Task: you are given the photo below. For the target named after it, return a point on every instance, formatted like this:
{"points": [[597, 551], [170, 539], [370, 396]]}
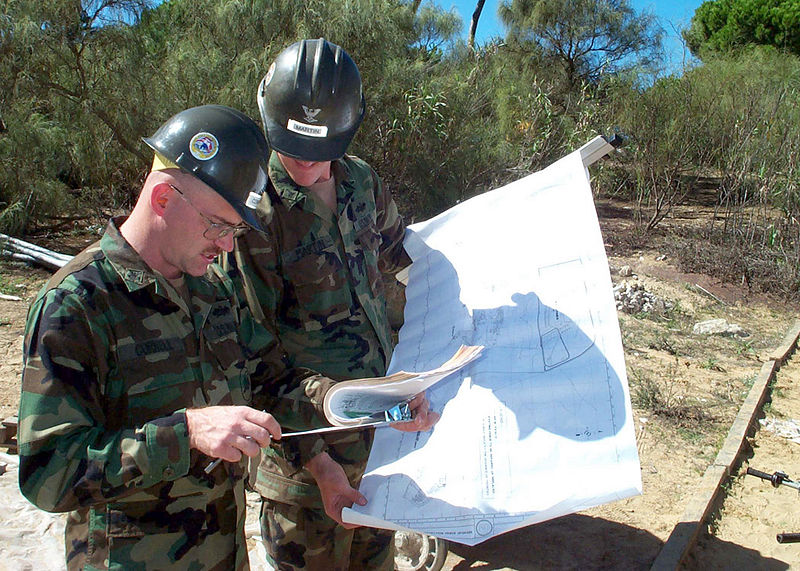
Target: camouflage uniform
{"points": [[113, 357], [317, 277]]}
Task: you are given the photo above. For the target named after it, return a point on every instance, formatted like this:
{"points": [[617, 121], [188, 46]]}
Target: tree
{"points": [[68, 91], [473, 26], [720, 26], [60, 50], [433, 28], [588, 37]]}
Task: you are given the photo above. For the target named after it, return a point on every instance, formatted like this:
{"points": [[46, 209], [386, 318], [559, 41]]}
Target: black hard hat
{"points": [[222, 147], [311, 101]]}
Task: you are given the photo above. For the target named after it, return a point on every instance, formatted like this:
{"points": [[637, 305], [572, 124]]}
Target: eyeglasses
{"points": [[215, 230]]}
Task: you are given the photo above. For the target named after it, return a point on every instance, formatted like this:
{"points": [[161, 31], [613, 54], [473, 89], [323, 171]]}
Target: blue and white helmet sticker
{"points": [[204, 146]]}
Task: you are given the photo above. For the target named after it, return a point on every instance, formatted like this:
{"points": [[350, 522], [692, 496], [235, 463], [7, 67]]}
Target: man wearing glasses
{"points": [[140, 364]]}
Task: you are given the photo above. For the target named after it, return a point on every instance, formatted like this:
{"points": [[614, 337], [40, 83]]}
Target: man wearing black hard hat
{"points": [[140, 363], [315, 273]]}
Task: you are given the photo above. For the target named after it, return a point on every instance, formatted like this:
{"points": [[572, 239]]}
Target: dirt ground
{"points": [[686, 391], [745, 529]]}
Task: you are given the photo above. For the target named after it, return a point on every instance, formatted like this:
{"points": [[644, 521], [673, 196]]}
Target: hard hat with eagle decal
{"points": [[311, 101]]}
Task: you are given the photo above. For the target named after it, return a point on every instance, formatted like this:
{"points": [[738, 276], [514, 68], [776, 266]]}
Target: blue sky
{"points": [[673, 15]]}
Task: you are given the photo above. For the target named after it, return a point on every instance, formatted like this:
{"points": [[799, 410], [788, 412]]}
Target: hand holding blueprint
{"points": [[541, 425], [350, 403]]}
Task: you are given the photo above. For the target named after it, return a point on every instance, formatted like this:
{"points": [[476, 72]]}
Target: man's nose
{"points": [[225, 242]]}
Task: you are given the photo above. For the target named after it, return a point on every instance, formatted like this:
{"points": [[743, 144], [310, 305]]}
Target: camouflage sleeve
{"points": [[294, 396], [69, 455], [393, 256]]}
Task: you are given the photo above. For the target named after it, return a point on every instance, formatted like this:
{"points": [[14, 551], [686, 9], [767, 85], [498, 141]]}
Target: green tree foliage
{"points": [[588, 38], [720, 26], [84, 80], [64, 76], [755, 135], [668, 126]]}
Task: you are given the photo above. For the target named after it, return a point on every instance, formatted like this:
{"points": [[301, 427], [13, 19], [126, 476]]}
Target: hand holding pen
{"points": [[229, 432], [410, 415]]}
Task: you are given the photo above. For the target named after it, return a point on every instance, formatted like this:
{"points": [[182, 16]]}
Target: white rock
{"points": [[719, 327]]}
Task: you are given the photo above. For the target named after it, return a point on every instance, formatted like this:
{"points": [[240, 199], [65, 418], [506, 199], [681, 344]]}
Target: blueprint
{"points": [[358, 401], [540, 425]]}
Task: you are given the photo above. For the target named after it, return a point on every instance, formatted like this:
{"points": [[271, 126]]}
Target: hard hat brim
{"points": [[307, 148]]}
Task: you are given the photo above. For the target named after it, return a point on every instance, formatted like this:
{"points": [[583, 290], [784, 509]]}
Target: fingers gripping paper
{"points": [[540, 425], [360, 401]]}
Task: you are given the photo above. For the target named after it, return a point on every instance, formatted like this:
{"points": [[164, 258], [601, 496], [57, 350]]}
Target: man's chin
{"points": [[199, 269], [199, 265]]}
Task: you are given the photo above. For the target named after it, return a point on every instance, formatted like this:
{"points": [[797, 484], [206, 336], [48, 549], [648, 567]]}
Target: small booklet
{"points": [[373, 400]]}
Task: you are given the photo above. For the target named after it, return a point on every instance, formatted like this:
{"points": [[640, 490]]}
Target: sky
{"points": [[673, 16]]}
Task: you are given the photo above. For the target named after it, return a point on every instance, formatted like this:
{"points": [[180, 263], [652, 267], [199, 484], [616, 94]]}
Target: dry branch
{"points": [[31, 253]]}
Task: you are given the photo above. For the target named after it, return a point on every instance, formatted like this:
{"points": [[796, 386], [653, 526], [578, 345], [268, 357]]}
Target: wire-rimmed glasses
{"points": [[215, 230]]}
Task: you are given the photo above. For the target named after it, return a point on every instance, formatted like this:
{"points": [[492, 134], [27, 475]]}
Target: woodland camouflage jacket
{"points": [[113, 357], [317, 279]]}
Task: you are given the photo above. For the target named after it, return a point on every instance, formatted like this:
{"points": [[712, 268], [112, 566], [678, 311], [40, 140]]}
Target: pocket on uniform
{"points": [[155, 540], [160, 394], [320, 290], [153, 376]]}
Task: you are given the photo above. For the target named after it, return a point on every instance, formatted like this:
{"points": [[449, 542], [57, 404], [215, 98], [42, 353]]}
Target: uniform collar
{"points": [[290, 192], [128, 264]]}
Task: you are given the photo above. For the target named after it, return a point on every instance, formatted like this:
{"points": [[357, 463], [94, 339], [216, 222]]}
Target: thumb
{"points": [[353, 496], [359, 498]]}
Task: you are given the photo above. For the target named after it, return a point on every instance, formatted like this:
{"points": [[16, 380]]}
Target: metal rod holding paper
{"points": [[398, 413]]}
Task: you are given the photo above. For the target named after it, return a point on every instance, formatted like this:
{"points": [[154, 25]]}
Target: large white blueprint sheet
{"points": [[540, 425]]}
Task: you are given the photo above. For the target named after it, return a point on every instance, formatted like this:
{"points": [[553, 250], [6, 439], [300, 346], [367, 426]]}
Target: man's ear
{"points": [[160, 197]]}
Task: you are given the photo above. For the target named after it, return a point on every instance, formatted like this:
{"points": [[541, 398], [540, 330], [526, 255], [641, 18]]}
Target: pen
{"points": [[398, 413], [214, 463]]}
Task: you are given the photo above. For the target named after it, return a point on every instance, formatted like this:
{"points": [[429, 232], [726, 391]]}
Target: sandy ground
{"points": [[743, 533], [702, 382]]}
